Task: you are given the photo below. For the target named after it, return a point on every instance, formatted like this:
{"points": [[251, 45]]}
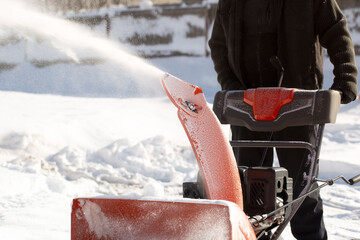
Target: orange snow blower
{"points": [[220, 217], [226, 202]]}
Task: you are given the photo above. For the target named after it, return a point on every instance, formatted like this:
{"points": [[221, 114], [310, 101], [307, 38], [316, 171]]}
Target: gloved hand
{"points": [[347, 96]]}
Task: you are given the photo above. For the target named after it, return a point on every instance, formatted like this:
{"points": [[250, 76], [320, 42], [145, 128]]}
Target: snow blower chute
{"points": [[219, 205]]}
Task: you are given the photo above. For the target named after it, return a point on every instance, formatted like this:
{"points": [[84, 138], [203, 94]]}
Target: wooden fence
{"points": [[192, 27]]}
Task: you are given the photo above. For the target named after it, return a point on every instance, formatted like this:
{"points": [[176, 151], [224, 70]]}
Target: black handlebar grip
{"points": [[354, 180]]}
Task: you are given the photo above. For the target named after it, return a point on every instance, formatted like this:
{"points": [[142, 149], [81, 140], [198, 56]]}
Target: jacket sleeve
{"points": [[335, 37], [219, 55]]}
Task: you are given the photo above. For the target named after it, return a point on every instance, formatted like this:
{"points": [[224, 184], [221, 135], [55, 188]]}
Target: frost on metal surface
{"points": [[106, 218], [213, 152]]}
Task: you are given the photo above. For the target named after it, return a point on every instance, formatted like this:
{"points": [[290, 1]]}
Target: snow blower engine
{"points": [[265, 189]]}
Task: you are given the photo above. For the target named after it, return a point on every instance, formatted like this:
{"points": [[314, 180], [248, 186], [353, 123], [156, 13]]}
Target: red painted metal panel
{"points": [[266, 102], [101, 218]]}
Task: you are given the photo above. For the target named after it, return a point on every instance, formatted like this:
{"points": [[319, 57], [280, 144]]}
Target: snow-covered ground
{"points": [[109, 129]]}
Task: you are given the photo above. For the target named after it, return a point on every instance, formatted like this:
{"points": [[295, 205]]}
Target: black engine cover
{"points": [[262, 186]]}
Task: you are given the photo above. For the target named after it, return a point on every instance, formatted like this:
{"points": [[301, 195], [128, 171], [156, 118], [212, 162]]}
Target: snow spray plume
{"points": [[73, 41]]}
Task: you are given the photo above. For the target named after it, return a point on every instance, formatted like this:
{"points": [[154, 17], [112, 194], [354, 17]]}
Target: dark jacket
{"points": [[304, 28]]}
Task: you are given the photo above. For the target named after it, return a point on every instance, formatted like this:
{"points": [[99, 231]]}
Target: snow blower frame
{"points": [[227, 213], [268, 191]]}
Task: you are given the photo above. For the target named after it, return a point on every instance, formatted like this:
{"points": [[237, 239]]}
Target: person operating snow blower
{"points": [[252, 42]]}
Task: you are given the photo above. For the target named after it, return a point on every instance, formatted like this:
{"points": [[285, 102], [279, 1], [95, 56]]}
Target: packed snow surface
{"points": [[90, 137]]}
